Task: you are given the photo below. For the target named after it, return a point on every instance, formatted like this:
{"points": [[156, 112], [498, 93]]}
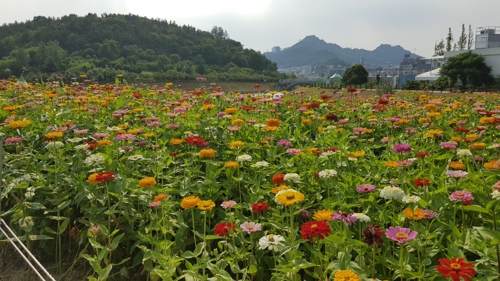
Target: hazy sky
{"points": [[262, 24]]}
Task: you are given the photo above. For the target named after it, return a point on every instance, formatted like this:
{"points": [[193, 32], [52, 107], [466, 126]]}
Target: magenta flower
{"points": [[228, 204], [285, 143], [124, 137], [400, 234], [400, 148], [13, 140], [462, 196], [100, 135], [428, 214], [345, 217], [154, 204], [250, 227], [448, 145], [294, 151], [364, 188]]}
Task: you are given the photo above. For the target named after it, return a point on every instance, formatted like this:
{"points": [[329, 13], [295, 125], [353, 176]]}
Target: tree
{"points": [[470, 40], [355, 74], [469, 68], [462, 40], [439, 48], [449, 40]]}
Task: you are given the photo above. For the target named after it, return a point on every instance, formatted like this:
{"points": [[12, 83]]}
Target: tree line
{"points": [[139, 48], [464, 42]]}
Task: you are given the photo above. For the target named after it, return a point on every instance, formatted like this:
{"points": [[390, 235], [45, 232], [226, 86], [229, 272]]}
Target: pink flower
{"points": [[154, 204], [345, 217], [463, 196], [364, 188], [250, 227], [294, 151], [400, 234], [228, 204]]}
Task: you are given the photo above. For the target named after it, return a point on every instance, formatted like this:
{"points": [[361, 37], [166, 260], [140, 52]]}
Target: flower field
{"points": [[162, 183]]}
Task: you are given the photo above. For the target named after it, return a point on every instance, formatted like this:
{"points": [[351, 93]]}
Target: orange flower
{"points": [[391, 164], [477, 146], [190, 202], [207, 153], [231, 164], [273, 122], [147, 182], [238, 122], [416, 214], [279, 179], [175, 141], [492, 165], [161, 197], [280, 188], [236, 144], [104, 142], [231, 111], [455, 165]]}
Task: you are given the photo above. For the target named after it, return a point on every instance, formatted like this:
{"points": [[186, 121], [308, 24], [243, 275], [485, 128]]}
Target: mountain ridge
{"points": [[315, 51]]}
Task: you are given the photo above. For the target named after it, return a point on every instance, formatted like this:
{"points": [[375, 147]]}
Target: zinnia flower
{"points": [[373, 234], [259, 207], [313, 229], [413, 214], [294, 177], [392, 192], [250, 227], [364, 188], [421, 182], [222, 229], [271, 242], [207, 153], [231, 164], [400, 148], [204, 205], [228, 204], [346, 275], [289, 197], [327, 173], [279, 179], [345, 217], [400, 234], [456, 174], [456, 268], [190, 202], [323, 215], [147, 182], [463, 196]]}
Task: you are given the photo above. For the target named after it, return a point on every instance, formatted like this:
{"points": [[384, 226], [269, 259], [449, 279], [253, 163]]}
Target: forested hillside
{"points": [[141, 49]]}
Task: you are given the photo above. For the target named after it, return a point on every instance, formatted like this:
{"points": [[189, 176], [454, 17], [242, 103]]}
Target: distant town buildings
{"points": [[276, 49]]}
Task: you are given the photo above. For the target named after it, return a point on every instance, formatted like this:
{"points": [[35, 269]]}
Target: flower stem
{"points": [[401, 261], [192, 219]]}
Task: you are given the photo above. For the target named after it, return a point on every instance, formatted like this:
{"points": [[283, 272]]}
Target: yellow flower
{"points": [[471, 137], [161, 197], [134, 131], [53, 135], [235, 144], [280, 188], [207, 153], [323, 215], [457, 165], [92, 179], [148, 135], [357, 154], [231, 165], [175, 141], [208, 106], [416, 214], [403, 121], [433, 114], [346, 275], [18, 124], [270, 128], [306, 121], [104, 142], [492, 165], [147, 182], [391, 164], [456, 139], [289, 197], [238, 122], [477, 146], [190, 202], [487, 120], [231, 110], [430, 107], [204, 205]]}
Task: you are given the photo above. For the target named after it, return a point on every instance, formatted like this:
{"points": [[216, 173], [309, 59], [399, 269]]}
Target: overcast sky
{"points": [[262, 24]]}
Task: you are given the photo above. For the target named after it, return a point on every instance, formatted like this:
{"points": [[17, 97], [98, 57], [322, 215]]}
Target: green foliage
{"points": [[356, 75], [127, 44], [469, 68], [442, 83], [383, 89]]}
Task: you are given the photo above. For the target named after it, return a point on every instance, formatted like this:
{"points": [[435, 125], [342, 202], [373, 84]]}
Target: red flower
{"points": [[262, 143], [461, 130], [195, 140], [351, 90], [467, 202], [422, 154], [256, 86], [247, 107], [173, 154], [373, 233], [92, 144], [455, 268], [279, 179], [313, 229], [105, 177], [421, 182], [137, 96], [332, 117], [383, 101], [259, 207], [317, 153], [324, 97], [332, 149], [312, 105], [222, 229]]}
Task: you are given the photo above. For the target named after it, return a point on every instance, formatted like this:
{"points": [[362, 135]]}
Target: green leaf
{"points": [[488, 234], [476, 208]]}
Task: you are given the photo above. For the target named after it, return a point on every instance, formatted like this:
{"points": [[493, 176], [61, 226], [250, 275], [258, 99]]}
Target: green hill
{"points": [[141, 49]]}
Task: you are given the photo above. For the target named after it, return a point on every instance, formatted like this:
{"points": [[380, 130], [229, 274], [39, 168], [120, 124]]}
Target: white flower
{"points": [[362, 217], [464, 152], [75, 140], [136, 157], [294, 177], [261, 164], [496, 194], [342, 164], [227, 116], [54, 144], [392, 192], [94, 160], [82, 147], [331, 127], [410, 199], [271, 242], [243, 158], [352, 159], [327, 173], [493, 146], [114, 129]]}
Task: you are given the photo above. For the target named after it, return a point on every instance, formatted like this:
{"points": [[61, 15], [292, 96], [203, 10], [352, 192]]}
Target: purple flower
{"points": [[345, 217], [124, 137], [462, 196], [428, 214], [457, 174], [400, 234], [400, 148], [364, 188], [13, 140], [250, 227], [285, 143], [228, 204], [294, 151]]}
